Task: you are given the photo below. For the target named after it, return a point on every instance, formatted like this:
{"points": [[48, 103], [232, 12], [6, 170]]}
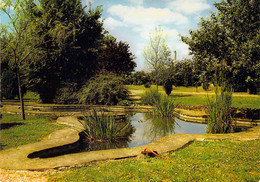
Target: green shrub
{"points": [[150, 97], [168, 86], [220, 112], [147, 85], [67, 94], [105, 89], [126, 103], [164, 107], [99, 127]]}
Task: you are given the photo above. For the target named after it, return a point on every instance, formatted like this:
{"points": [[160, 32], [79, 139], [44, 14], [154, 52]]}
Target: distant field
{"points": [[191, 96]]}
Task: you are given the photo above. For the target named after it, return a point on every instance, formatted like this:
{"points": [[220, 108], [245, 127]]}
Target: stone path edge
{"points": [[16, 158]]}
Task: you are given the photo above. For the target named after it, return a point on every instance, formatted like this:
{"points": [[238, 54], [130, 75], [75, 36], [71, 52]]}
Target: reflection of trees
{"points": [[158, 127]]}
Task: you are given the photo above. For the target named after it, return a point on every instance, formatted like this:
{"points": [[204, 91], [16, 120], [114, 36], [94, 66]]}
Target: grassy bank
{"points": [[189, 96], [15, 131], [201, 161]]}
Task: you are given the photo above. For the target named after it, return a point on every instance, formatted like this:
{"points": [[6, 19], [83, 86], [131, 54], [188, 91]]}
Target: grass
{"points": [[189, 96], [201, 161], [15, 131]]}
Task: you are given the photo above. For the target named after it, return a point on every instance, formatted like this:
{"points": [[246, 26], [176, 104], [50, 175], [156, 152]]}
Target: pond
{"points": [[143, 129], [147, 129]]}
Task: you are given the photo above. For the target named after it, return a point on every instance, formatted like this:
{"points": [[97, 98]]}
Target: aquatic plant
{"points": [[164, 107], [150, 97], [220, 112], [99, 127]]}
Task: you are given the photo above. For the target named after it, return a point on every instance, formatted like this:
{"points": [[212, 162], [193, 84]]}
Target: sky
{"points": [[131, 21]]}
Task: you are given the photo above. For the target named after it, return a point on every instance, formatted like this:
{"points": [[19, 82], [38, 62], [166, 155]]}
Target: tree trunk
{"points": [[20, 92]]}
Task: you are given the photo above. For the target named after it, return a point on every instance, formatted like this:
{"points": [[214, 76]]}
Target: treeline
{"points": [[54, 47]]}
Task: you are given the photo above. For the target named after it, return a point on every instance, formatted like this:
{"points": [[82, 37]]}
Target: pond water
{"points": [[147, 129], [143, 129]]}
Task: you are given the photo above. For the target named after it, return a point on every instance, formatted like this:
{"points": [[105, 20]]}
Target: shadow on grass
{"points": [[8, 125]]}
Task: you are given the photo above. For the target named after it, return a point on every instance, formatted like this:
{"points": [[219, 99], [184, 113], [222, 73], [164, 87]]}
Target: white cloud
{"points": [[111, 23], [189, 6], [141, 16]]}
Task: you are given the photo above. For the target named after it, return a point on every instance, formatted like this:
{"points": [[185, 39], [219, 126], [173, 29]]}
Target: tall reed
{"points": [[164, 107], [99, 127], [219, 111]]}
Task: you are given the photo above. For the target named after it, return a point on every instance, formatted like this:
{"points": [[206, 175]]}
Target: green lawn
{"points": [[189, 96], [201, 161], [15, 131]]}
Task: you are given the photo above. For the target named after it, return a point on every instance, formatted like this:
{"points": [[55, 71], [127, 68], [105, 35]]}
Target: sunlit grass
{"points": [[15, 131], [201, 161], [189, 96]]}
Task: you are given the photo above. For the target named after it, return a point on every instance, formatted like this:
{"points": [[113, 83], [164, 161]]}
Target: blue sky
{"points": [[131, 21]]}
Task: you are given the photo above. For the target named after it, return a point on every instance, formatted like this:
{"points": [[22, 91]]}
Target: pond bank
{"points": [[16, 158]]}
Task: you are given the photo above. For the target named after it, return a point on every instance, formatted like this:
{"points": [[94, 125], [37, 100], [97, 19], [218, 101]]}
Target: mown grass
{"points": [[201, 161], [189, 96], [15, 131]]}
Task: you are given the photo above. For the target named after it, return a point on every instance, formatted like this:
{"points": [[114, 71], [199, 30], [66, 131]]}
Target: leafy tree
{"points": [[74, 38], [137, 78], [17, 40], [116, 57], [228, 43], [157, 53]]}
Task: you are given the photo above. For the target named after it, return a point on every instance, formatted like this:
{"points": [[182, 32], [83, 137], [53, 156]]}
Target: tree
{"points": [[228, 43], [17, 39], [157, 53], [116, 57], [69, 58]]}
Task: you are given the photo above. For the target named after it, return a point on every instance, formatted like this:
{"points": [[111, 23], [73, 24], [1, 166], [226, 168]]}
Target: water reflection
{"points": [[144, 129]]}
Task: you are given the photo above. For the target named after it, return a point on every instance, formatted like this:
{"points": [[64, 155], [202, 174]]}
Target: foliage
{"points": [[168, 86], [157, 53], [150, 97], [126, 103], [67, 94], [99, 127], [9, 89], [137, 78], [229, 39], [199, 161], [105, 89], [73, 39], [147, 85], [116, 57], [220, 112], [164, 107]]}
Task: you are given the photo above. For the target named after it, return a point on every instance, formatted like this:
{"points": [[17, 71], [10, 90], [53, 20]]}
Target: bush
{"points": [[164, 107], [147, 85], [168, 86], [220, 112], [151, 97], [105, 89], [67, 94]]}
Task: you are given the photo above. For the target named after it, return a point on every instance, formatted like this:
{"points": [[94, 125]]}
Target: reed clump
{"points": [[99, 127], [220, 112]]}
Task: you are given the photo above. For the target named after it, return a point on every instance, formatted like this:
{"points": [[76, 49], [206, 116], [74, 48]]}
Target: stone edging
{"points": [[16, 158]]}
